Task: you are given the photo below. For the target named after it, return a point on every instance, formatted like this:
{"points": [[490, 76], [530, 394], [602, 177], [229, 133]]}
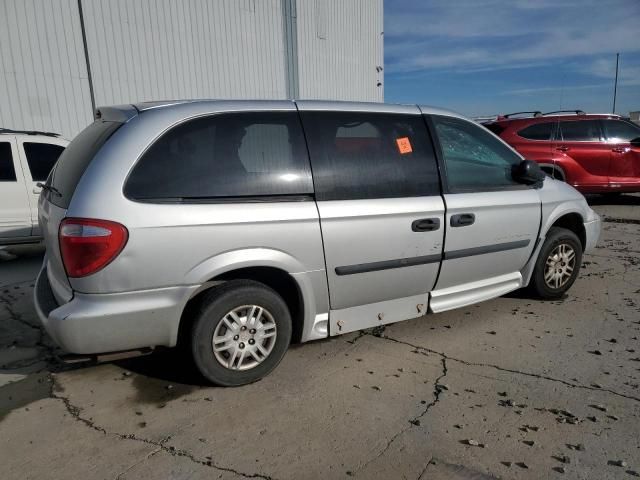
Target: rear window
{"points": [[41, 157], [76, 158], [236, 156], [538, 131], [7, 172]]}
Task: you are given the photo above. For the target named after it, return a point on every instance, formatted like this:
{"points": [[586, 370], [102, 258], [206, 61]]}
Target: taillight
{"points": [[88, 245]]}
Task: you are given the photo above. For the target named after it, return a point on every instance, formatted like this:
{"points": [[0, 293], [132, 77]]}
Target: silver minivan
{"points": [[238, 227]]}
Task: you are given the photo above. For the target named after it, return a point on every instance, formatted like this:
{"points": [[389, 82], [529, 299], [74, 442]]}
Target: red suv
{"points": [[596, 153]]}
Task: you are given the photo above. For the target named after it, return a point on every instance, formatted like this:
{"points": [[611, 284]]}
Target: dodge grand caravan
{"points": [[236, 227]]}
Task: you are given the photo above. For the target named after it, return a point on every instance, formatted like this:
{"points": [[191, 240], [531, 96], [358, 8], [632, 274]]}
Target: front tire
{"points": [[558, 264], [241, 331]]}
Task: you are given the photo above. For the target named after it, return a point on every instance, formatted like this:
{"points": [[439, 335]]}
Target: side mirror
{"points": [[635, 142], [528, 172]]}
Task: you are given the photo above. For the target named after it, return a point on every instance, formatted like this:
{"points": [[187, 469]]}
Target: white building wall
{"points": [[173, 49], [166, 49], [43, 75], [340, 44]]}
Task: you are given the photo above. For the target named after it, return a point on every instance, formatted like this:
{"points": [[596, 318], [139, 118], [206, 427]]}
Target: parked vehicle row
{"points": [[26, 158], [596, 153], [236, 227]]}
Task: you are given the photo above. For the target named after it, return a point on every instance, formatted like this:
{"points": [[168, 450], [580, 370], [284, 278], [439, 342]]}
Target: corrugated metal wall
{"points": [[340, 44], [169, 49], [43, 75]]}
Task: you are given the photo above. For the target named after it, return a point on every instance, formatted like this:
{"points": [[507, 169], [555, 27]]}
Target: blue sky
{"points": [[496, 56]]}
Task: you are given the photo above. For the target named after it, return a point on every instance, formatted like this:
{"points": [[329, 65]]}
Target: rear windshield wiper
{"points": [[49, 188]]}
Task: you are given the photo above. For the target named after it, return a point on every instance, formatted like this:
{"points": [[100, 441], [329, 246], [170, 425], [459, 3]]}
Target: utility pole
{"points": [[615, 85]]}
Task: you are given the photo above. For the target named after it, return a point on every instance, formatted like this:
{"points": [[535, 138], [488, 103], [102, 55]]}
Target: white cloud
{"points": [[558, 88], [491, 34], [605, 67]]}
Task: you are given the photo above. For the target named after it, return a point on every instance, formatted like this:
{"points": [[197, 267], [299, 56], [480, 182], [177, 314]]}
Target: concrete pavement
{"points": [[511, 388]]}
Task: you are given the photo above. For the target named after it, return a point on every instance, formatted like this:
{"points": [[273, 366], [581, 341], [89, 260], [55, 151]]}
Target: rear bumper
{"points": [[98, 323], [592, 232]]}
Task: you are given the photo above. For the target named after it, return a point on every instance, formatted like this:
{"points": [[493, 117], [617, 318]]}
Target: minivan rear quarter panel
{"points": [[190, 237]]}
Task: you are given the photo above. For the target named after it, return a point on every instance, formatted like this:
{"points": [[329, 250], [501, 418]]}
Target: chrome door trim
{"points": [[499, 247]]}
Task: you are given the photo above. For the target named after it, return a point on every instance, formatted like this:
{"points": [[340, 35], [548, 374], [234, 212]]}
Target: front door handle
{"points": [[462, 220], [562, 149], [619, 150], [425, 225]]}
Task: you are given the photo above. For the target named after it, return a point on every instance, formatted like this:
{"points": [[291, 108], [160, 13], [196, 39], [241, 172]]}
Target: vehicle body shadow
{"points": [[621, 199], [526, 294], [165, 364]]}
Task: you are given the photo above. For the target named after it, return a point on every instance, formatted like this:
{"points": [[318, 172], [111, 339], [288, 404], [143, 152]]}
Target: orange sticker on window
{"points": [[404, 145]]}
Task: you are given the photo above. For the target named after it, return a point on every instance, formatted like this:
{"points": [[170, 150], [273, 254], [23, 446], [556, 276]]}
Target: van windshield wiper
{"points": [[49, 188]]}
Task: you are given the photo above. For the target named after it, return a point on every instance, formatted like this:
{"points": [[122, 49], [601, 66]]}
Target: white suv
{"points": [[26, 158]]}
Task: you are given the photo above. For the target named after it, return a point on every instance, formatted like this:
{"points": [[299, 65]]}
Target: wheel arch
{"points": [[569, 217], [273, 268], [574, 222]]}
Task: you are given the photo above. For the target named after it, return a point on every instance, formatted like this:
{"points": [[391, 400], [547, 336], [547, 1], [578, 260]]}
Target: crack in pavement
{"points": [[15, 316], [75, 413], [414, 422], [424, 470], [134, 465], [509, 370], [49, 356]]}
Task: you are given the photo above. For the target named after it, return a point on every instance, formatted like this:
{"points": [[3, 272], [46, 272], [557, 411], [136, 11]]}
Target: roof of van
{"points": [[125, 112]]}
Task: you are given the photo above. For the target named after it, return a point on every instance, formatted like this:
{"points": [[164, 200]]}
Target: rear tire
{"points": [[241, 332], [557, 265]]}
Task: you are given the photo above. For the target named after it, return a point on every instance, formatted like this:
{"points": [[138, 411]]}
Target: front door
{"points": [[15, 215], [492, 221], [381, 213], [624, 173]]}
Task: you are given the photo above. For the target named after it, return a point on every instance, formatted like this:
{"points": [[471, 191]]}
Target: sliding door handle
{"points": [[462, 220], [425, 225]]}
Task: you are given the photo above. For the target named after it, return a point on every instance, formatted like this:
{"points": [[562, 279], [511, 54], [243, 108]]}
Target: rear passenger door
{"points": [[492, 221], [381, 212], [38, 158], [15, 217]]}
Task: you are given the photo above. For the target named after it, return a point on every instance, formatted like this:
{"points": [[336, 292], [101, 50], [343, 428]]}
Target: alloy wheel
{"points": [[559, 266], [244, 337]]}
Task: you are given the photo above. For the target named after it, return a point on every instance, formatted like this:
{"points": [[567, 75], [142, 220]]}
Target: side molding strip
{"points": [[499, 247], [426, 259], [387, 264]]}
